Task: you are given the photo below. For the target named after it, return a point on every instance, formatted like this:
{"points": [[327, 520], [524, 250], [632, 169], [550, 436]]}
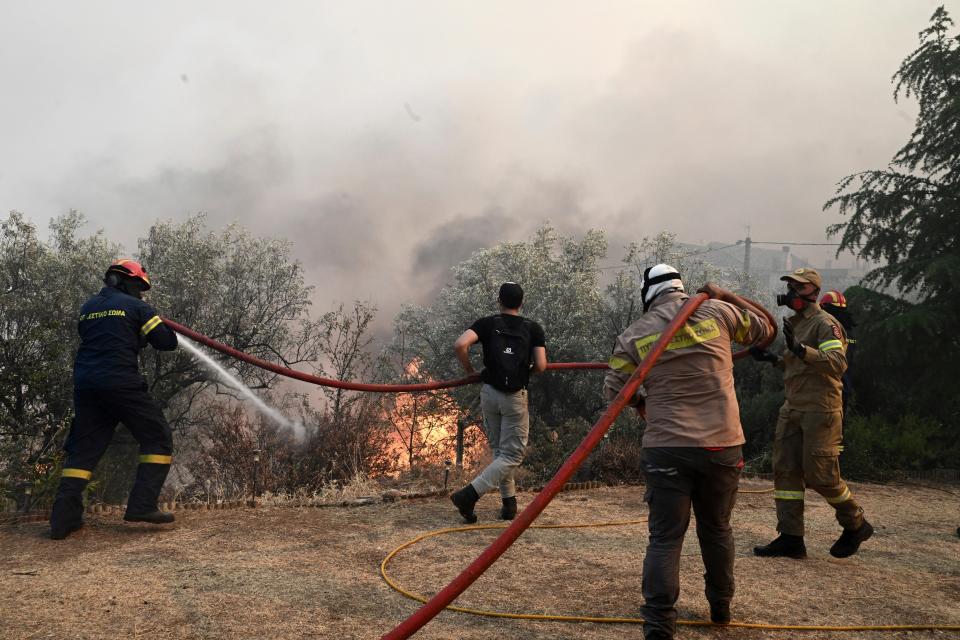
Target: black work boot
{"points": [[720, 613], [67, 514], [509, 509], [656, 633], [146, 489], [785, 546], [849, 541], [153, 517], [464, 500], [60, 533]]}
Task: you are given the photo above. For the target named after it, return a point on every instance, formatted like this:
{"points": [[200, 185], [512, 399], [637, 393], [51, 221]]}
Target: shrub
{"points": [[875, 446]]}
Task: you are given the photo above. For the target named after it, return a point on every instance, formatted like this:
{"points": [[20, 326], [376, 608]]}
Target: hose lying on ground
{"points": [[615, 619]]}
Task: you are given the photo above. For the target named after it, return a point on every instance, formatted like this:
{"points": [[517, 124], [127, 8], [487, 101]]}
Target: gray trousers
{"points": [[678, 477], [506, 422]]}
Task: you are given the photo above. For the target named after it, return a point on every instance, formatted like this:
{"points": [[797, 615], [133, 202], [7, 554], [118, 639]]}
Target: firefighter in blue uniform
{"points": [[114, 326]]}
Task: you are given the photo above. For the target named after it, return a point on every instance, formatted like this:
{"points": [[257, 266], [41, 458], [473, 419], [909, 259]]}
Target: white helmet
{"points": [[659, 279]]}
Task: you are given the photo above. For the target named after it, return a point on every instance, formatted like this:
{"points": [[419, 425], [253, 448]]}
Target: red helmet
{"points": [[835, 298], [131, 268]]}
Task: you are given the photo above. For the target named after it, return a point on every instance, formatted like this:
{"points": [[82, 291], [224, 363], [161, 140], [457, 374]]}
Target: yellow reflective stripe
{"points": [[788, 495], [830, 345], [150, 325], [83, 474], [843, 497], [621, 364], [687, 336], [155, 459], [744, 329]]}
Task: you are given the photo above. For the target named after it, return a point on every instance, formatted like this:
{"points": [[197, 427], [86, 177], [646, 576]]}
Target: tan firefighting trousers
{"points": [[806, 453]]}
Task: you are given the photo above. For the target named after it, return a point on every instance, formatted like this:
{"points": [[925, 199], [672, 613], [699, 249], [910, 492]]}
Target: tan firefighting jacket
{"points": [[690, 399], [814, 382]]}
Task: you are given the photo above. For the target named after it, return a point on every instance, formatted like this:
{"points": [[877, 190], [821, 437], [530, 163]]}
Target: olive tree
{"points": [[42, 285], [560, 277], [234, 287]]}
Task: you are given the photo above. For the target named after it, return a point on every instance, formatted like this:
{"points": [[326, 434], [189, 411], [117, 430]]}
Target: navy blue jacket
{"points": [[113, 328]]}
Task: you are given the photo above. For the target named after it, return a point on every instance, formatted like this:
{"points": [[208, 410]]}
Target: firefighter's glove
{"points": [[793, 344], [762, 355]]}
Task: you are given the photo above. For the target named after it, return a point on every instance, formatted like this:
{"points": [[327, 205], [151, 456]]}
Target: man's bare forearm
{"points": [[463, 355]]}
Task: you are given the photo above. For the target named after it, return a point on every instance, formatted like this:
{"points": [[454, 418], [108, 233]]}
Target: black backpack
{"points": [[510, 348]]}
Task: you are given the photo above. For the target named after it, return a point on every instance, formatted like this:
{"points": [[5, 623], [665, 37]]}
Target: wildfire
{"points": [[425, 425]]}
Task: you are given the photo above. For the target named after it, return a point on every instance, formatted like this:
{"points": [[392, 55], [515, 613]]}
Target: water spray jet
{"points": [[247, 393]]}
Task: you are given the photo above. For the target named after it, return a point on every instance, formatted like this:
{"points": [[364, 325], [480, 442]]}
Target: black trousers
{"points": [[678, 477], [97, 414]]}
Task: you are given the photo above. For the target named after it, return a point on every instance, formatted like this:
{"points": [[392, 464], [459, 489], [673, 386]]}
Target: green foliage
{"points": [[42, 284], [248, 292], [759, 389], [907, 217], [239, 289], [581, 321], [898, 365], [875, 445], [662, 248], [562, 292]]}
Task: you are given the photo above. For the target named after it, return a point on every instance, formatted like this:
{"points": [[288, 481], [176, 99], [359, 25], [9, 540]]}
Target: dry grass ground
{"points": [[283, 572]]}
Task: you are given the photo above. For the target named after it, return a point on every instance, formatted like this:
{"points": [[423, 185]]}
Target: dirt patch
{"points": [[283, 572]]}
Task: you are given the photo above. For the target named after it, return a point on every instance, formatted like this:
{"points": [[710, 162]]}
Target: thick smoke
{"points": [[389, 159]]}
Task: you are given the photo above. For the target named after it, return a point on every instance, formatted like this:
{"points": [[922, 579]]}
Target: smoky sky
{"points": [[388, 141]]}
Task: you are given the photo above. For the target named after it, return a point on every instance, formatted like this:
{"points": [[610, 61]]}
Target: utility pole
{"points": [[746, 259]]}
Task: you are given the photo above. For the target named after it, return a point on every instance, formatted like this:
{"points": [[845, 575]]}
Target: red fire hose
{"points": [[346, 384], [458, 585], [397, 388]]}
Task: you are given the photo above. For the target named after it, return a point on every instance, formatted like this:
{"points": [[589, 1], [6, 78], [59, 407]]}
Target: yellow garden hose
{"points": [[562, 618]]}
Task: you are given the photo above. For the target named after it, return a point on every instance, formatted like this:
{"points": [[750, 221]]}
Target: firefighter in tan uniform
{"points": [[806, 447], [692, 453]]}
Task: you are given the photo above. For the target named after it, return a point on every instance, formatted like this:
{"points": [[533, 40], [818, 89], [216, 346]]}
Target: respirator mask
{"points": [[793, 300]]}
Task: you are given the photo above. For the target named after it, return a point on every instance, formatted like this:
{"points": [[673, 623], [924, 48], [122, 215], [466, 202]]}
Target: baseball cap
{"points": [[805, 275]]}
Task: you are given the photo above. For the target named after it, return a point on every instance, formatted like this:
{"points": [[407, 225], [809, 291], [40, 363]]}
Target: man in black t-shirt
{"points": [[513, 347]]}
